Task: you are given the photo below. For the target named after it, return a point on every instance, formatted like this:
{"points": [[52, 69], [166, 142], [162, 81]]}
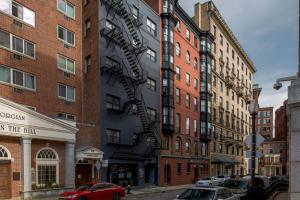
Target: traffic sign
{"points": [[259, 140], [259, 154]]}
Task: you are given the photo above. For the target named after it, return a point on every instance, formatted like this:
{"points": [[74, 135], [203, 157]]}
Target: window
{"points": [[88, 62], [187, 79], [178, 49], [188, 145], [152, 114], [67, 8], [151, 55], [66, 35], [195, 42], [112, 102], [66, 64], [178, 123], [151, 84], [4, 153], [195, 104], [47, 167], [66, 92], [178, 168], [188, 35], [5, 39], [195, 83], [151, 26], [178, 74], [66, 116], [195, 128], [187, 100], [17, 78], [188, 57], [113, 136], [203, 106], [214, 30], [135, 12], [178, 96], [221, 39], [87, 27], [23, 79], [16, 10], [177, 144], [195, 63], [221, 86], [187, 126]]}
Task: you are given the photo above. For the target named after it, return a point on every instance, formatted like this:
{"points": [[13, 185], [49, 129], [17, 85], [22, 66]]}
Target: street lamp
{"points": [[253, 109]]}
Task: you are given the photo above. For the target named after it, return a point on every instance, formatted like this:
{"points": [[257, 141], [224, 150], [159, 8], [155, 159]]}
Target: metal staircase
{"points": [[133, 45]]}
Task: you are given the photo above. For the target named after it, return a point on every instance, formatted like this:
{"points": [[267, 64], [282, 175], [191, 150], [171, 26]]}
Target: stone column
{"points": [[70, 165], [26, 167], [294, 111]]}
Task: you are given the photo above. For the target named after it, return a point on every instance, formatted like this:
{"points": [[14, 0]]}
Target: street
{"points": [[168, 195]]}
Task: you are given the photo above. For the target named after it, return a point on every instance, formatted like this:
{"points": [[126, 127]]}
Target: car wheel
{"points": [[83, 198], [117, 196]]}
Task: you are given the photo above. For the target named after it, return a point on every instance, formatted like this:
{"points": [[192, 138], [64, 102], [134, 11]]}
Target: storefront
{"points": [[37, 153]]}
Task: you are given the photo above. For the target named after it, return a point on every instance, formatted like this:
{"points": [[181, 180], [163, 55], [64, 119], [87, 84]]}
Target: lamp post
{"points": [[253, 108]]}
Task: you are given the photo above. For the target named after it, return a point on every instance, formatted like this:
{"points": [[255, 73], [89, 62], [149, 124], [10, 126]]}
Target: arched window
{"points": [[4, 153], [188, 57], [188, 145], [178, 49], [47, 167], [195, 63], [178, 144]]}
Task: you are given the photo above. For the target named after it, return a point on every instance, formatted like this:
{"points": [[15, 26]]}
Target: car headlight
{"points": [[71, 196]]}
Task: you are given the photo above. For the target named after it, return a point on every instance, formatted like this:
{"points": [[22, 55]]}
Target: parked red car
{"points": [[95, 191]]}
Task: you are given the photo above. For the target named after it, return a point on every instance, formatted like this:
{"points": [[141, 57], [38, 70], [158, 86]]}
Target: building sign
{"points": [[10, 130], [17, 121]]}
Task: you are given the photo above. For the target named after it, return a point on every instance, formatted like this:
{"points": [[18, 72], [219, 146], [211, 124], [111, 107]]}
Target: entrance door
{"points": [[83, 174], [5, 181], [167, 174], [196, 173], [150, 174]]}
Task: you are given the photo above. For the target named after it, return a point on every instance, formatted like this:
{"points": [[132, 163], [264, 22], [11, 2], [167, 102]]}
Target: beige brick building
{"points": [[231, 93]]}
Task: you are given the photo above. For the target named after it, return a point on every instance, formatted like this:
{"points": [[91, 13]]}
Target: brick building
{"points": [[264, 122], [43, 99]]}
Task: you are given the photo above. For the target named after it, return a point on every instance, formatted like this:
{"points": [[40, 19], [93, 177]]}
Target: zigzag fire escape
{"points": [[133, 46]]}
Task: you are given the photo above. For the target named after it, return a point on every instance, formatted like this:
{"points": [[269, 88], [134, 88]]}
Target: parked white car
{"points": [[207, 193], [222, 178], [210, 181]]}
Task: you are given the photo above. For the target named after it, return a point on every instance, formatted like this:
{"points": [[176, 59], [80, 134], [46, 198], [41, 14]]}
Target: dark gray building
{"points": [[130, 91]]}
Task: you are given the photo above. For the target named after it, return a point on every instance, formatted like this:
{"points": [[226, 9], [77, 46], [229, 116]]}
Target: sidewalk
{"points": [[282, 196], [157, 189]]}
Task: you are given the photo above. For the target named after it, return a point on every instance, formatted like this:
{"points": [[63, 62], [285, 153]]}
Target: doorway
{"points": [[5, 180], [150, 171], [167, 174], [196, 173], [83, 174]]}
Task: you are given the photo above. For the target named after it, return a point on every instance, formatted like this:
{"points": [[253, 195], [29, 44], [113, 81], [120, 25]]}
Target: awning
{"points": [[223, 158], [88, 153]]}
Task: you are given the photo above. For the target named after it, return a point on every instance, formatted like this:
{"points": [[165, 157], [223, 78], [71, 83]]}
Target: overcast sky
{"points": [[268, 31]]}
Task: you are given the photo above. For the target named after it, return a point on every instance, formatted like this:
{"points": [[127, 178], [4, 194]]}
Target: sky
{"points": [[268, 32]]}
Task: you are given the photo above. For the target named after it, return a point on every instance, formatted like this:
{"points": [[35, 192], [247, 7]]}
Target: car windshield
{"points": [[84, 187], [235, 184], [206, 179], [195, 194], [221, 176]]}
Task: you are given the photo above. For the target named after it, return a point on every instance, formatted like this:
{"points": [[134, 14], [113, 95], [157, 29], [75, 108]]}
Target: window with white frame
{"points": [[66, 35], [178, 49], [188, 57], [66, 8], [16, 44], [66, 92], [66, 116], [187, 79], [188, 34], [4, 153], [195, 83], [151, 26], [66, 64], [151, 55], [47, 167], [17, 78], [195, 63], [18, 11]]}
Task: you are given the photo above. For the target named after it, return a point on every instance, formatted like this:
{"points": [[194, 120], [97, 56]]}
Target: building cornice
{"points": [[217, 15]]}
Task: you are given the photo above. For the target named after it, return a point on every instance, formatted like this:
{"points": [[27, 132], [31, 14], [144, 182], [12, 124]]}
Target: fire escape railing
{"points": [[133, 45]]}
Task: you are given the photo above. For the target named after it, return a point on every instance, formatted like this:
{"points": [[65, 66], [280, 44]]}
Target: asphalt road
{"points": [[170, 195]]}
